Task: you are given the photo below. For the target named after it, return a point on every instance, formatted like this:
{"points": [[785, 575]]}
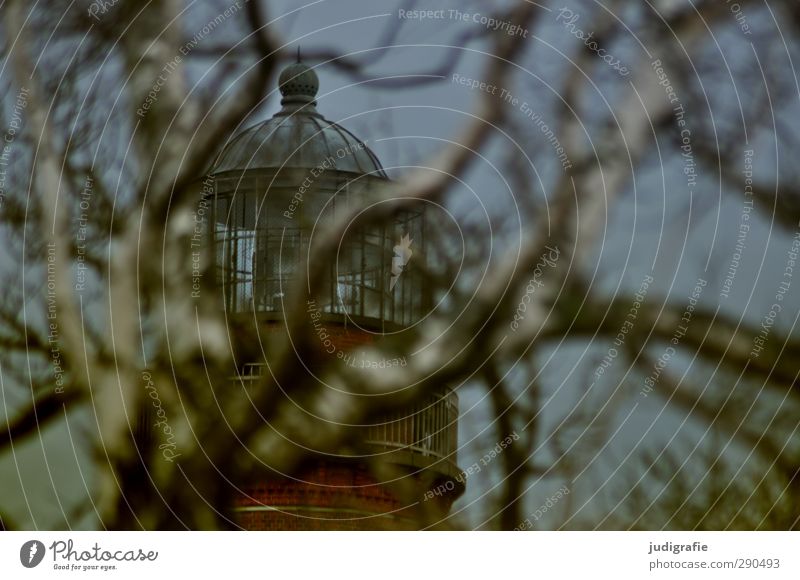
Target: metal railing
{"points": [[428, 428]]}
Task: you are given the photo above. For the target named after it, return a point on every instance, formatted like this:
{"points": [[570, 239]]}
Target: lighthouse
{"points": [[274, 185]]}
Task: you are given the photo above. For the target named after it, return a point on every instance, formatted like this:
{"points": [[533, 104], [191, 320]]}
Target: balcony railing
{"points": [[428, 429]]}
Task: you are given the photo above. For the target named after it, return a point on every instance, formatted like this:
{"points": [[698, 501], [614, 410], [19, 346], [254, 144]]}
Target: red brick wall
{"points": [[325, 496]]}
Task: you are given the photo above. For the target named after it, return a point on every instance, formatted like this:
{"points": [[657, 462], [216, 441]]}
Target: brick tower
{"points": [[273, 185]]}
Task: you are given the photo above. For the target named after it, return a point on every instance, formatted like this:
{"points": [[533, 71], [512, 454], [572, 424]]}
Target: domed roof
{"points": [[298, 136]]}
